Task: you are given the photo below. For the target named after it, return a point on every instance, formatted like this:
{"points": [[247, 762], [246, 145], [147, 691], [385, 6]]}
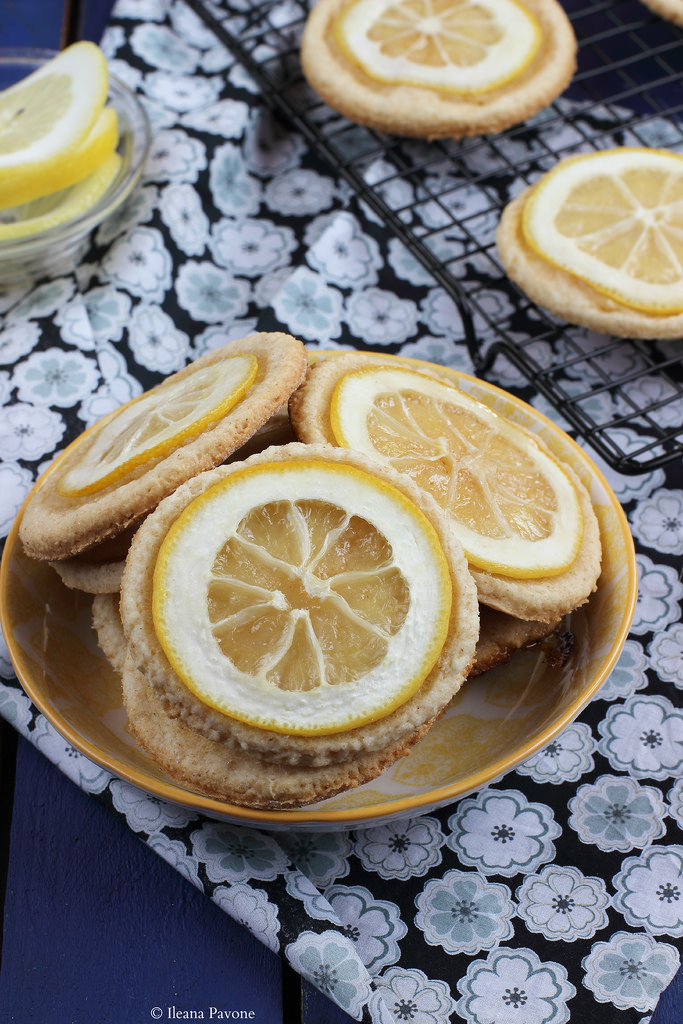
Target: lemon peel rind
{"points": [[537, 225], [505, 61], [179, 603], [546, 557], [88, 477]]}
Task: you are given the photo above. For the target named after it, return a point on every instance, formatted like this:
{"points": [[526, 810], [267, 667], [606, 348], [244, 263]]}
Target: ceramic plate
{"points": [[495, 722]]}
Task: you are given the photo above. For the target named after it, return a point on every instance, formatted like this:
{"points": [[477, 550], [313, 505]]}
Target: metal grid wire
{"points": [[443, 199]]}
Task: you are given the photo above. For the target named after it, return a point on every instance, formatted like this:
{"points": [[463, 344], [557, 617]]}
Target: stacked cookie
{"points": [[289, 614]]}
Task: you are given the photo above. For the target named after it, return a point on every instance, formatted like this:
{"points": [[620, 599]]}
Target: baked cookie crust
{"points": [[569, 297], [55, 527], [427, 113]]}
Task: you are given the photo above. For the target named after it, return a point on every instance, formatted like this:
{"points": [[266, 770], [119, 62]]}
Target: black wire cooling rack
{"points": [[443, 199]]}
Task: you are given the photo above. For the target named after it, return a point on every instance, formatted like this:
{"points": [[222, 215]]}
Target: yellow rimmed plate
{"points": [[496, 721]]}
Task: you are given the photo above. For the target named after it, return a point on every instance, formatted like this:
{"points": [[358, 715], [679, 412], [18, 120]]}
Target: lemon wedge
{"points": [[151, 426], [306, 597], [45, 120], [614, 219], [50, 211], [466, 46], [515, 510]]}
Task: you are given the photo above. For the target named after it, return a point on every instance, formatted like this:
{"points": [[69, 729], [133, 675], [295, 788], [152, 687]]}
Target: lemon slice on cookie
{"points": [[158, 421], [614, 219], [516, 511], [302, 597], [466, 46]]}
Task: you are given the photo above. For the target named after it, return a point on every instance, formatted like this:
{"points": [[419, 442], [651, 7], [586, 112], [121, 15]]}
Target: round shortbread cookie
{"points": [[230, 774], [500, 635], [427, 113], [670, 10], [545, 600], [148, 656], [55, 527], [567, 296], [90, 577], [106, 622]]}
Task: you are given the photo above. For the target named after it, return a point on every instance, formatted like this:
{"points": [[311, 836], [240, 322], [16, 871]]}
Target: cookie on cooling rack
{"points": [[187, 424], [568, 296], [474, 68], [670, 10]]}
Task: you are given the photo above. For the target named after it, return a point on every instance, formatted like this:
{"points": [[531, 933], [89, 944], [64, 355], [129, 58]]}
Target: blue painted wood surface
{"points": [[98, 928]]}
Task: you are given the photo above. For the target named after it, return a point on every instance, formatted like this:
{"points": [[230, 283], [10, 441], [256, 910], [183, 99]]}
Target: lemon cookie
{"points": [[115, 473], [437, 70], [671, 10], [526, 522], [336, 588], [500, 635], [595, 242]]}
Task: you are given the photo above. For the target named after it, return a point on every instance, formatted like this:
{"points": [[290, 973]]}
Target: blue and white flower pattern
{"points": [[329, 962], [413, 998], [510, 983], [617, 813], [630, 970], [666, 654], [503, 833], [564, 759], [252, 908], [374, 926], [563, 904], [401, 849], [649, 890], [643, 736], [464, 912]]}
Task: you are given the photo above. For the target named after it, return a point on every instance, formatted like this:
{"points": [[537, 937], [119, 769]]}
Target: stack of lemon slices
{"points": [[59, 137], [322, 553], [598, 241], [438, 68]]}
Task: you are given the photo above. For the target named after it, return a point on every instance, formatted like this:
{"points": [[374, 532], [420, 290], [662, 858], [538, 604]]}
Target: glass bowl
{"points": [[57, 250]]}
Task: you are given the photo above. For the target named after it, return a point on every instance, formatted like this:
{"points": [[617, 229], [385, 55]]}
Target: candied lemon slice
{"points": [[615, 220], [466, 46], [68, 204], [305, 597], [44, 121], [515, 510], [152, 425]]}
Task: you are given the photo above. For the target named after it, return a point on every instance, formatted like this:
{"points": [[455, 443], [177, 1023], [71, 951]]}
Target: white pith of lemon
{"points": [[158, 421], [515, 510], [464, 46], [45, 119], [50, 211], [302, 597], [615, 220]]}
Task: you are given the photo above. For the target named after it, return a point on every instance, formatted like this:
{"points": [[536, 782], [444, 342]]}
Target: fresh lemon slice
{"points": [[152, 425], [45, 118], [615, 220], [515, 510], [59, 208], [465, 46], [304, 597]]}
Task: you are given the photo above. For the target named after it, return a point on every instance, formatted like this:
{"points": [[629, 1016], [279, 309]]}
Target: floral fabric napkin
{"points": [[552, 895]]}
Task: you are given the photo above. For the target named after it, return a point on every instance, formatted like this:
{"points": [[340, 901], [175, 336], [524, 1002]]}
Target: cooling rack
{"points": [[443, 199]]}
